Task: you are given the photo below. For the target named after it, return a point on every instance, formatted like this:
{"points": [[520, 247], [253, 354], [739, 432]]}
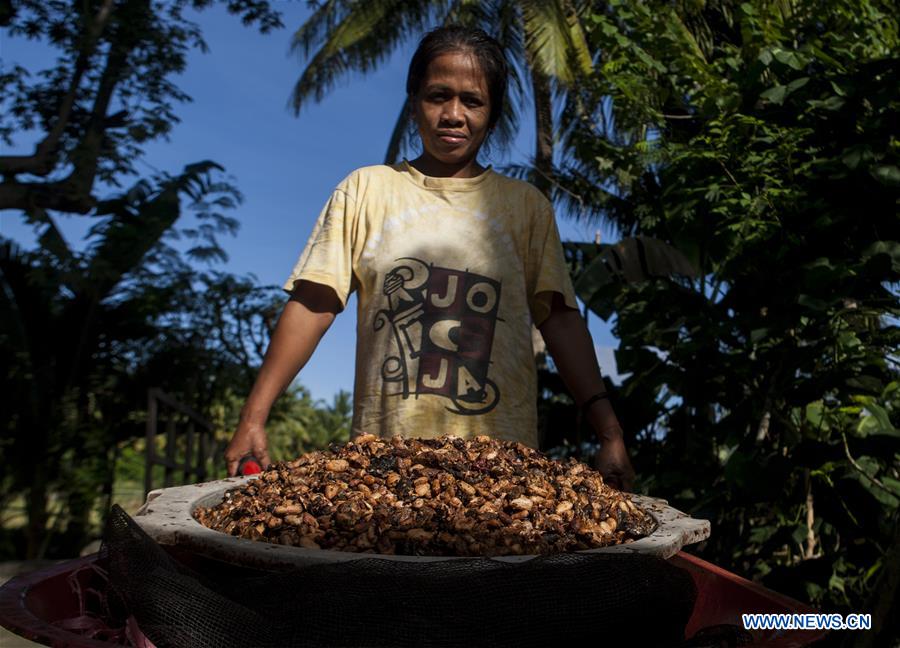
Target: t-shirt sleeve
{"points": [[547, 268], [328, 256]]}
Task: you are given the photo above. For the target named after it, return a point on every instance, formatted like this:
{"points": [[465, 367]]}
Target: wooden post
{"points": [[150, 450], [188, 452], [170, 450], [199, 441], [201, 456]]}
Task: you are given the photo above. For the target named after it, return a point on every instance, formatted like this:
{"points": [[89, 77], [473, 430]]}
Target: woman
{"points": [[451, 262]]}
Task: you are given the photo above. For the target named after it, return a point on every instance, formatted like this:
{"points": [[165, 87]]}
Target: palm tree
{"points": [[544, 40]]}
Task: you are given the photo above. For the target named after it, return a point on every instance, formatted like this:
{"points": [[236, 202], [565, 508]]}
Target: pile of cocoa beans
{"points": [[430, 497]]}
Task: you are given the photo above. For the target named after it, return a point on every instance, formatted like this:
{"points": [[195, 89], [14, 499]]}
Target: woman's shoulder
{"points": [[359, 180], [523, 188], [373, 172], [528, 199]]}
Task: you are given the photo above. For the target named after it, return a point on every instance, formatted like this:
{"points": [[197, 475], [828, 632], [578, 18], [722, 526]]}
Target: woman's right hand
{"points": [[304, 320], [248, 439]]}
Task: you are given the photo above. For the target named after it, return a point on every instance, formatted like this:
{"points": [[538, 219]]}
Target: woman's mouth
{"points": [[452, 138]]}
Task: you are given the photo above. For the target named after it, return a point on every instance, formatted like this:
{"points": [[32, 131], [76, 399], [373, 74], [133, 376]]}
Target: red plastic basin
{"points": [[31, 604], [723, 596]]}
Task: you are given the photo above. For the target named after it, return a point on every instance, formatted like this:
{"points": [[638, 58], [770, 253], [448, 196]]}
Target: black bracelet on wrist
{"points": [[593, 399]]}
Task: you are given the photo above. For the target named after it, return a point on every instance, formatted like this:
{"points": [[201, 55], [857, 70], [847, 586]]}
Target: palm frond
{"points": [[506, 26], [583, 194], [507, 127], [630, 260], [139, 220], [470, 13], [317, 26], [555, 40], [401, 136], [355, 37]]}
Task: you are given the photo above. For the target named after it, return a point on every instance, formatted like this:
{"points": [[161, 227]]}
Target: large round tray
{"points": [[167, 517]]}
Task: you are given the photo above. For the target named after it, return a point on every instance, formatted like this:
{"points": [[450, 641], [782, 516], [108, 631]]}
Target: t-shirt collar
{"points": [[444, 184]]}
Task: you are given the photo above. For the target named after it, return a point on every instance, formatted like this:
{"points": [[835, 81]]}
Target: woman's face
{"points": [[452, 109]]}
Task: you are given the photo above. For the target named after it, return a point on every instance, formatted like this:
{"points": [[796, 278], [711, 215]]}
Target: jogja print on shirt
{"points": [[442, 321]]}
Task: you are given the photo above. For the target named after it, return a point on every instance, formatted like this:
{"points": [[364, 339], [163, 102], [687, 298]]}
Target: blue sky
{"points": [[285, 166]]}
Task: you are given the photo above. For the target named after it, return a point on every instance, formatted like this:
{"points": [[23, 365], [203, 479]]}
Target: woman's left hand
{"points": [[613, 463], [569, 341]]}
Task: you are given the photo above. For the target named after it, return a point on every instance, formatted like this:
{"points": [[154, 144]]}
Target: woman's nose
{"points": [[452, 112]]}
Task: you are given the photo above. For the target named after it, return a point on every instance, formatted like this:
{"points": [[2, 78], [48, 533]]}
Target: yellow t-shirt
{"points": [[449, 273]]}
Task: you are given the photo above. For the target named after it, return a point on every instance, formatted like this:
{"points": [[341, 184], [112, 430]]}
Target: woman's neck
{"points": [[430, 166]]}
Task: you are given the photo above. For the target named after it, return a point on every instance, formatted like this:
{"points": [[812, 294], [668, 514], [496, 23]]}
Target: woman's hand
{"points": [[248, 439], [570, 343], [304, 320], [612, 461]]}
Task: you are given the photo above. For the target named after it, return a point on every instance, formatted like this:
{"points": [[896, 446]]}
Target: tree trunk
{"points": [[543, 122], [78, 508], [46, 155], [36, 509], [543, 166], [74, 192]]}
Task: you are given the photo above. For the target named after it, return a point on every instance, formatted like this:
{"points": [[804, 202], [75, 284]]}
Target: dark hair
{"points": [[455, 38]]}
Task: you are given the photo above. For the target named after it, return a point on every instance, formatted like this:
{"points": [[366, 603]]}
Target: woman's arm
{"points": [[572, 348], [304, 320]]}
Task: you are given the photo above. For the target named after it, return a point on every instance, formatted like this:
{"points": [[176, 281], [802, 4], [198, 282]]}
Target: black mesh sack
{"points": [[564, 599]]}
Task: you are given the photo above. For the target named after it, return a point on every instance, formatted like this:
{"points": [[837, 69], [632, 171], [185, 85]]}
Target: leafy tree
{"points": [[109, 93], [544, 40], [298, 424], [761, 140], [80, 326], [85, 333]]}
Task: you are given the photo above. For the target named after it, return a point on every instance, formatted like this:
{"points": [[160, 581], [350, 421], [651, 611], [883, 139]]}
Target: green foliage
{"points": [[759, 139], [85, 333], [595, 266], [298, 424]]}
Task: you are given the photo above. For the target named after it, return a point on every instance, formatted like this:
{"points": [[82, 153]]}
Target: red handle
{"points": [[249, 465]]}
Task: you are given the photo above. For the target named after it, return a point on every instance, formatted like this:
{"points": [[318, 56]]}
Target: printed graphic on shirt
{"points": [[442, 321]]}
